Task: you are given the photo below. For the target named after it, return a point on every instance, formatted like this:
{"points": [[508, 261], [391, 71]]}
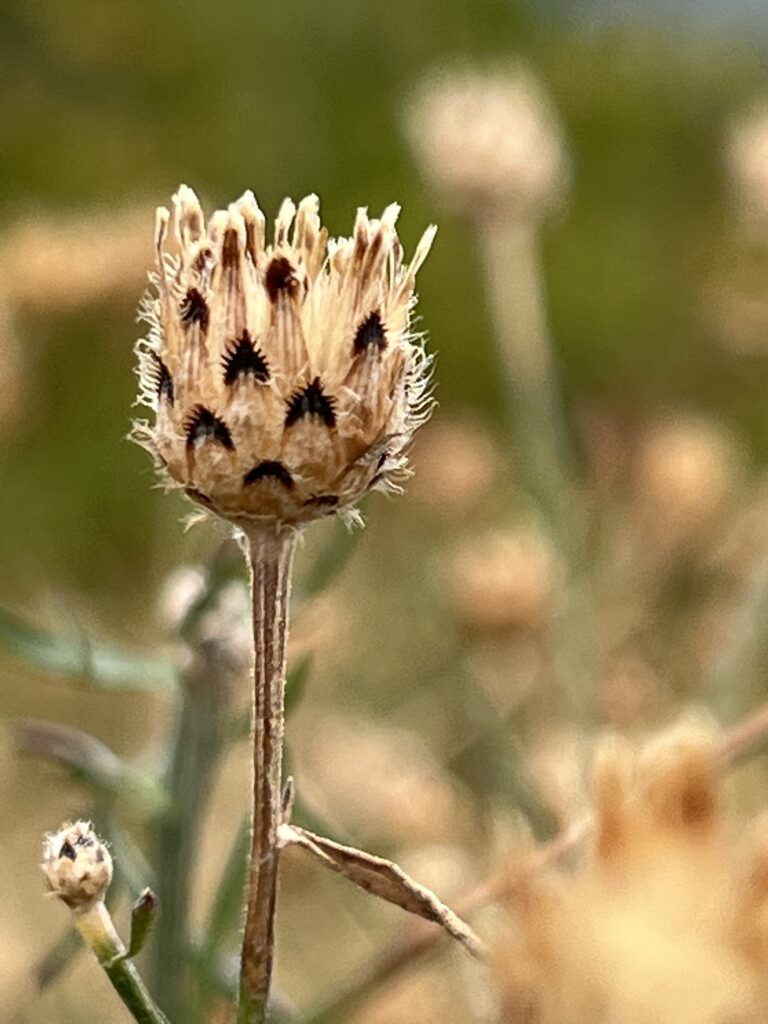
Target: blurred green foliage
{"points": [[104, 101]]}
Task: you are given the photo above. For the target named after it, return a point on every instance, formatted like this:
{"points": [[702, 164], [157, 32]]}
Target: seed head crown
{"points": [[285, 378]]}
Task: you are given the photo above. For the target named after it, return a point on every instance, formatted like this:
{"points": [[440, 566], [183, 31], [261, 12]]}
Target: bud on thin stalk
{"points": [[78, 869]]}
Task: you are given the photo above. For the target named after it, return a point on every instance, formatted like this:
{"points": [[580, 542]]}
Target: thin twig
{"points": [[742, 740], [271, 557]]}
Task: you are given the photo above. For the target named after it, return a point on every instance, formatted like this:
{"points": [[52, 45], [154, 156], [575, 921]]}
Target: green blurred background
{"points": [[107, 107], [108, 104]]}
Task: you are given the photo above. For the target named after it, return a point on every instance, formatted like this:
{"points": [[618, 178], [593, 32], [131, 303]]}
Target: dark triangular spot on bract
{"points": [[162, 379], [194, 309], [202, 425], [280, 277], [269, 470], [311, 401], [242, 358], [370, 335]]}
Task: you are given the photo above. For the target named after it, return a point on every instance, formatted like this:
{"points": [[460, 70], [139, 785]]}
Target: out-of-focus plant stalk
{"points": [[509, 248], [195, 751], [271, 553]]}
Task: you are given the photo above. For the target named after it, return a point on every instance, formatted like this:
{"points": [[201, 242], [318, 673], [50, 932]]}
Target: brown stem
{"points": [[271, 558]]}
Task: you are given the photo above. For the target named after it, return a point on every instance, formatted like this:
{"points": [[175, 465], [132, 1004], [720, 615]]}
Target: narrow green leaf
{"points": [[296, 683], [87, 760], [224, 915], [75, 656], [143, 916]]}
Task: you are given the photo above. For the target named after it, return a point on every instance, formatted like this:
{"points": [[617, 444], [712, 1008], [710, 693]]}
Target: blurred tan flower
{"points": [[458, 464], [685, 470], [381, 780], [432, 996], [506, 668], [737, 316], [666, 921], [489, 139], [747, 161], [64, 262], [502, 580], [557, 759], [181, 589], [284, 378], [630, 692]]}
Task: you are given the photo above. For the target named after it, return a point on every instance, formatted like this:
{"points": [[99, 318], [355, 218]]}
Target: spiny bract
{"points": [[285, 378]]}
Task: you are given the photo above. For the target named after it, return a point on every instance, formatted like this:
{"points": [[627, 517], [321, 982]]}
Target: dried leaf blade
{"points": [[384, 879]]}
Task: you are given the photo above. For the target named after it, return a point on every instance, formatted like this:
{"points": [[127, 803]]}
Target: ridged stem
{"points": [[271, 559], [96, 927]]}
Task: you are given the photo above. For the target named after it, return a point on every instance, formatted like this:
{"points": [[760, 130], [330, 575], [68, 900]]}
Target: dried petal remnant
{"points": [[280, 278], [279, 373]]}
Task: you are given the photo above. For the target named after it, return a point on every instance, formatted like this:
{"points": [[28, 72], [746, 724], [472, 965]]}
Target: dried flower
{"points": [[77, 865], [62, 263], [285, 378], [665, 922], [489, 139]]}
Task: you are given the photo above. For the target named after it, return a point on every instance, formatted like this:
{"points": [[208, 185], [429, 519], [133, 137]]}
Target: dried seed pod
{"points": [[285, 379], [77, 865]]}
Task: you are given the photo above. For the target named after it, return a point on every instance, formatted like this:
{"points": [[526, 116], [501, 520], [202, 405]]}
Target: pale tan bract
{"points": [[285, 377], [77, 865]]}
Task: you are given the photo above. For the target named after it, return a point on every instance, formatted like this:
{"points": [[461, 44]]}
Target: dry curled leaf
{"points": [[384, 879]]}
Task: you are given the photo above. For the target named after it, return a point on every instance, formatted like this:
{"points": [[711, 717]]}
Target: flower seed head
{"points": [[489, 140], [284, 377], [77, 865]]}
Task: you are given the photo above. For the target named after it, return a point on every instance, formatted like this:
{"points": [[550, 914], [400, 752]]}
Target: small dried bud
{"points": [[77, 865], [285, 378], [490, 139]]}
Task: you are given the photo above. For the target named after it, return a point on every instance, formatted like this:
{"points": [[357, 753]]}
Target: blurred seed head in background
{"points": [[489, 140]]}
